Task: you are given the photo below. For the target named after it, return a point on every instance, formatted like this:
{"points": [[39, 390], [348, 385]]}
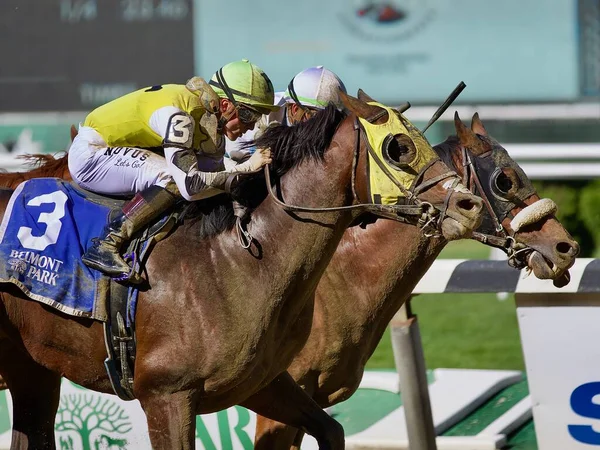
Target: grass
{"points": [[462, 330]]}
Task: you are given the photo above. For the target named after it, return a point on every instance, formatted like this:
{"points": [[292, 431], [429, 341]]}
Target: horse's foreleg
{"points": [[273, 434], [171, 420], [284, 401], [35, 393]]}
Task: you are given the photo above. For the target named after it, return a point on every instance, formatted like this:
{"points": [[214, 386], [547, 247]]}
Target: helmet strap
{"points": [[293, 94], [224, 118], [225, 87], [298, 116]]}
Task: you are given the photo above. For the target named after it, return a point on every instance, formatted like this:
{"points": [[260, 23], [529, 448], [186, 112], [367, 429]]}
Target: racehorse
{"points": [[374, 271], [220, 324]]}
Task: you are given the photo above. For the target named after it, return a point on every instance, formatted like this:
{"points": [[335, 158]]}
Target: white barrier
{"points": [[559, 335]]}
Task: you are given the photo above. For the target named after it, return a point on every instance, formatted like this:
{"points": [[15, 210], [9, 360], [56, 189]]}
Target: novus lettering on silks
{"points": [[131, 152]]}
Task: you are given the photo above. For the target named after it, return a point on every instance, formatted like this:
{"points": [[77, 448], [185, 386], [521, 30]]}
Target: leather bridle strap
{"points": [[505, 242], [405, 213], [469, 167]]}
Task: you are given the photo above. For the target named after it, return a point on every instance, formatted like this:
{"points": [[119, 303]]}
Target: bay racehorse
{"points": [[374, 271], [220, 324]]}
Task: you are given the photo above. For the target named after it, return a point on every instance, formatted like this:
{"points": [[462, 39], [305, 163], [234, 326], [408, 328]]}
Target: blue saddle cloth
{"points": [[47, 226]]}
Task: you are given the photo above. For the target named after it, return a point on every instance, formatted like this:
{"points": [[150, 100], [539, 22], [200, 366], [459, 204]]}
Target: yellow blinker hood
{"points": [[381, 188]]}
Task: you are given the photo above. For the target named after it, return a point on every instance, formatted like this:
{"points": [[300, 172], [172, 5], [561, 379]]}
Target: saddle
{"points": [[121, 304], [48, 223]]}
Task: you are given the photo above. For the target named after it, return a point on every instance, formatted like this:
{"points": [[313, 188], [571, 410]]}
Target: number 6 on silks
{"points": [[51, 219]]}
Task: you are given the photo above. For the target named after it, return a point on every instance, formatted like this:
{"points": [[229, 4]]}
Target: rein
{"points": [[515, 251], [423, 214]]}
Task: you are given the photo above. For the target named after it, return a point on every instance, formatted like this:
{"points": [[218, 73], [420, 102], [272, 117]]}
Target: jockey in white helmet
{"points": [[307, 93], [112, 151]]}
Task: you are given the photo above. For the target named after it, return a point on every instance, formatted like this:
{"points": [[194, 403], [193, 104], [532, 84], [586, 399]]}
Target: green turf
{"points": [[523, 438], [465, 249], [483, 416], [475, 331], [352, 413]]}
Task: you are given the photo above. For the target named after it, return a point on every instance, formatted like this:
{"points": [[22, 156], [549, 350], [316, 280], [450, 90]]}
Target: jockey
{"points": [[111, 154], [308, 92]]}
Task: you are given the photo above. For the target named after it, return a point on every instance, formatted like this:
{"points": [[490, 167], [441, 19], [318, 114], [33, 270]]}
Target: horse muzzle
{"points": [[463, 215]]}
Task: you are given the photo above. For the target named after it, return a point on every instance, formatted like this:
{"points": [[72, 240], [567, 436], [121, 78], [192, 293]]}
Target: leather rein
{"points": [[516, 252], [423, 214]]}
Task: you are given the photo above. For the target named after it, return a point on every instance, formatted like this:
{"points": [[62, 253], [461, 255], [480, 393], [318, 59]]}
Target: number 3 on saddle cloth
{"points": [[47, 226]]}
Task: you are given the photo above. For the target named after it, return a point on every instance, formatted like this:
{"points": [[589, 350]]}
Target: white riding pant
{"points": [[114, 170]]}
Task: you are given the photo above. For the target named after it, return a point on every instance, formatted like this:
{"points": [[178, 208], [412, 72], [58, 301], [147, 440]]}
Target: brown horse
{"points": [[374, 271], [220, 324]]}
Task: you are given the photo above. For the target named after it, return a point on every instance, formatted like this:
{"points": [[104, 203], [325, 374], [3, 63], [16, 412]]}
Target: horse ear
{"points": [[73, 132], [361, 108], [365, 97], [477, 127], [467, 137]]}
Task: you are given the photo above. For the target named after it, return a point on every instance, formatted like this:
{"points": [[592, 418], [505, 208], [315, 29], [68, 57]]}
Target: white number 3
{"points": [[180, 130], [51, 219]]}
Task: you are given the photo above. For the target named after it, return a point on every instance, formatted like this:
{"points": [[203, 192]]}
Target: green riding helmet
{"points": [[245, 83]]}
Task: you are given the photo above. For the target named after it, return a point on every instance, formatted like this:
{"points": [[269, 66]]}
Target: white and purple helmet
{"points": [[315, 87]]}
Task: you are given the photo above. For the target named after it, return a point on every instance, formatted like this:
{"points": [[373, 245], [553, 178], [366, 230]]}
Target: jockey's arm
{"points": [[177, 129]]}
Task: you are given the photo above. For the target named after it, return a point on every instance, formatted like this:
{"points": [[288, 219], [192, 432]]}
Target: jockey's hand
{"points": [[256, 162], [262, 126]]}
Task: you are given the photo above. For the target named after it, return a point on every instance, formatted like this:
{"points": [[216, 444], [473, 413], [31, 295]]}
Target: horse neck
{"points": [[377, 268], [291, 249], [372, 274]]}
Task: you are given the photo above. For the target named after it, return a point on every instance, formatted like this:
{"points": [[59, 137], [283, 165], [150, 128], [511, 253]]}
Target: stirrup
{"points": [[132, 276]]}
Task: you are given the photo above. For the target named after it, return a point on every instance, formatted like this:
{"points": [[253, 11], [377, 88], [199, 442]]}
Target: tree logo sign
{"points": [[91, 422]]}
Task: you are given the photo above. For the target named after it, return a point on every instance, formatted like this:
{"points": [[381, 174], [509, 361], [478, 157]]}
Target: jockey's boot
{"points": [[104, 254]]}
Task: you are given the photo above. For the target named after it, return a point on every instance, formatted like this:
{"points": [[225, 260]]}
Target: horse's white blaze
{"points": [[458, 187]]}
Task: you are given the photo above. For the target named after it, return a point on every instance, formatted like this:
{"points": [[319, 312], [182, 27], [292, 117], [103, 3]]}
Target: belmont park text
{"points": [[42, 268]]}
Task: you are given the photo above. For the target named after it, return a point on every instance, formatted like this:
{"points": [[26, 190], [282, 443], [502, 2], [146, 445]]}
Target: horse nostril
{"points": [[567, 249]]}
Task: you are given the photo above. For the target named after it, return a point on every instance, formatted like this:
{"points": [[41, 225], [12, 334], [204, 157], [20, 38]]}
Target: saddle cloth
{"points": [[47, 226]]}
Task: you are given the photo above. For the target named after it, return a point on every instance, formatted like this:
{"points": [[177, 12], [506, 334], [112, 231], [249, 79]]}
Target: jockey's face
{"points": [[297, 115], [234, 127]]}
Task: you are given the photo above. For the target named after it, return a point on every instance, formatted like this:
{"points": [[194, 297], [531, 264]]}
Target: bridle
{"points": [[417, 212], [501, 239]]}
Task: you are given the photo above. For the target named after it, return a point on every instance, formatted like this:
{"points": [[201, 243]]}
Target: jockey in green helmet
{"points": [[110, 153], [309, 92]]}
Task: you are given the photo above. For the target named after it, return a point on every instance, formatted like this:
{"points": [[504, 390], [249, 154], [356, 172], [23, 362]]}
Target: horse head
{"points": [[516, 219], [403, 169]]}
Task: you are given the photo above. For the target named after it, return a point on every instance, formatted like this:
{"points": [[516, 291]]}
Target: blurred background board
{"points": [[73, 55], [508, 51]]}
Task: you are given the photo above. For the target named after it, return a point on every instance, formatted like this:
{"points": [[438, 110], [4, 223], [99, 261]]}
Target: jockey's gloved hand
{"points": [[262, 126], [259, 158]]}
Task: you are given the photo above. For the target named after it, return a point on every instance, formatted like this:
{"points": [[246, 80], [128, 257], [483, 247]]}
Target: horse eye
{"points": [[503, 183], [399, 150], [396, 150]]}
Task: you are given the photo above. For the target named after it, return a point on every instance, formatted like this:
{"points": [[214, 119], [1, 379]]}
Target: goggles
{"points": [[247, 115]]}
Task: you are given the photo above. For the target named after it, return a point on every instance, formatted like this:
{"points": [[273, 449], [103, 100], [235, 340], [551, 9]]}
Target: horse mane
{"points": [[290, 146], [44, 165], [445, 150]]}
